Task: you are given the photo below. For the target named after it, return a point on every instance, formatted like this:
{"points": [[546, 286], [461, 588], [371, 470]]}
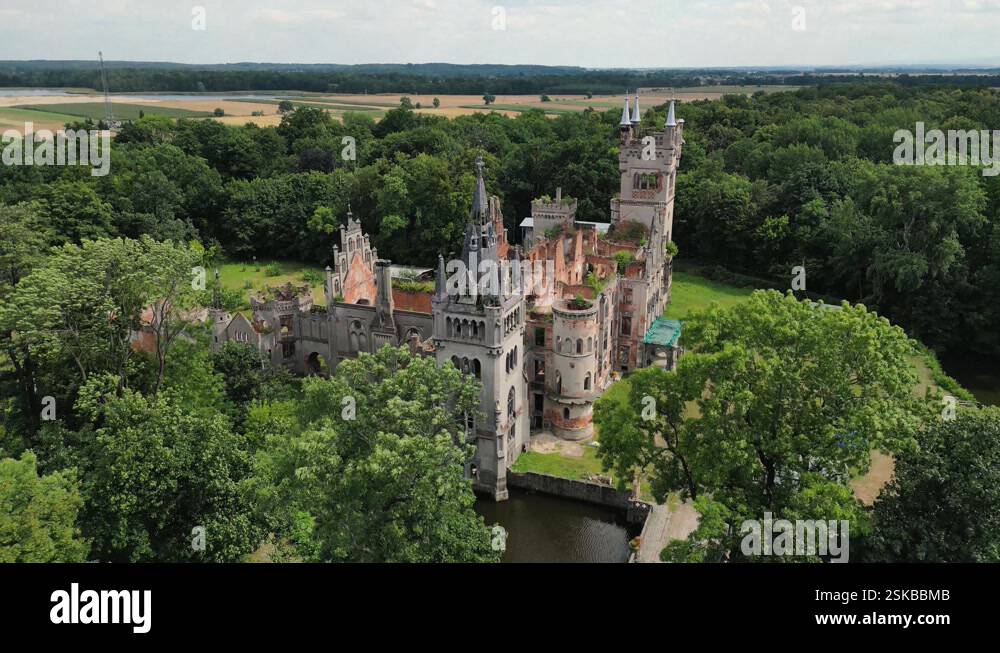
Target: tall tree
{"points": [[943, 504], [155, 472], [773, 409], [377, 464], [38, 514]]}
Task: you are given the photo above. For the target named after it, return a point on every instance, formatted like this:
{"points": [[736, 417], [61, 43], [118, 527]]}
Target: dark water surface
{"points": [[542, 528], [980, 375]]}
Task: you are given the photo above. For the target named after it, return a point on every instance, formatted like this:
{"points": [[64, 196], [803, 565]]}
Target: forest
{"points": [[113, 454], [768, 182]]}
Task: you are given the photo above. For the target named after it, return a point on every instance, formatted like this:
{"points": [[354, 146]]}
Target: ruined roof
{"points": [[664, 332]]}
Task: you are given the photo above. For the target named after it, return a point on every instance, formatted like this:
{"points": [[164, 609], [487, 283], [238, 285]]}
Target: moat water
{"points": [[980, 375], [542, 528]]}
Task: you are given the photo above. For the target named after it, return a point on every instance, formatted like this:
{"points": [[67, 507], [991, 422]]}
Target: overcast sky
{"points": [[592, 33]]}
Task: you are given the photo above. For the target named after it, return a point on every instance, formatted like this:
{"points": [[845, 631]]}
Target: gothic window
{"points": [[457, 363], [465, 366], [475, 329], [626, 324], [539, 370], [477, 368]]}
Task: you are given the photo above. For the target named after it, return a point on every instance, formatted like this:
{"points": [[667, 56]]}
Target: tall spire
{"points": [[637, 114], [216, 299], [672, 115], [480, 202], [440, 289], [626, 118]]}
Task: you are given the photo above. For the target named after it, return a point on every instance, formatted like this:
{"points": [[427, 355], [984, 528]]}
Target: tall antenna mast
{"points": [[109, 117]]}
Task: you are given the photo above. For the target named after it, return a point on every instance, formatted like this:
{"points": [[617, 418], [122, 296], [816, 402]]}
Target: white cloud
{"points": [[594, 33]]}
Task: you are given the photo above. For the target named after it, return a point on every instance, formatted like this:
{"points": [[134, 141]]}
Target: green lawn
{"points": [[555, 464], [692, 293], [95, 110]]}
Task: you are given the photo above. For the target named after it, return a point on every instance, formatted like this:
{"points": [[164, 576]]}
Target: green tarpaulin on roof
{"points": [[664, 332]]}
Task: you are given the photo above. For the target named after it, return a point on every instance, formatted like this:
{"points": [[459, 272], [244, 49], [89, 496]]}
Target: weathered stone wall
{"points": [[601, 495]]}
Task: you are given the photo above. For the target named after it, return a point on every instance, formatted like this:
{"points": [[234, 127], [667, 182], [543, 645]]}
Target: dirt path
{"points": [[664, 525]]}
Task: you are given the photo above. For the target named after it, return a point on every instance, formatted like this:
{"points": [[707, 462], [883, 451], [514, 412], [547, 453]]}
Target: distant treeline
{"points": [[441, 79], [431, 78]]}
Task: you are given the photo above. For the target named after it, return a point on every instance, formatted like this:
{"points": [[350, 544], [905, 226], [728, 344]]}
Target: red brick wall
{"points": [[417, 302]]}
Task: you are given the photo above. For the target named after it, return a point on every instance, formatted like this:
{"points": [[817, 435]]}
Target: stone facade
{"points": [[544, 347]]}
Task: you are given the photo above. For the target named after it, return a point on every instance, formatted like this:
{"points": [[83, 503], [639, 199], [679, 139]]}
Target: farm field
{"points": [[11, 118], [95, 110], [52, 112]]}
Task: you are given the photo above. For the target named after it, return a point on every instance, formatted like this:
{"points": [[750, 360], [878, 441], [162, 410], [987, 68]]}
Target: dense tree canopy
{"points": [[943, 505], [373, 462], [777, 404], [38, 514]]}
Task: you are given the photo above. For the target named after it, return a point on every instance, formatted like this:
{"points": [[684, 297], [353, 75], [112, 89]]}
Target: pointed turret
{"points": [[626, 117], [672, 115], [480, 201], [637, 114]]}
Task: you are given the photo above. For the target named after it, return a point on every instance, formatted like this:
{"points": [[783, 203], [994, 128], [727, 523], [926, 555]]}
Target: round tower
{"points": [[572, 382]]}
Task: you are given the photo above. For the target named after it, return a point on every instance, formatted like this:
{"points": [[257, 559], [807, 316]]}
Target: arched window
{"points": [[586, 382], [457, 363], [477, 368], [579, 345], [590, 345], [558, 383], [510, 404], [566, 414]]}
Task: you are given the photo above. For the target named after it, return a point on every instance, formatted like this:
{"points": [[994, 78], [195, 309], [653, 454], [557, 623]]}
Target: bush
{"points": [[313, 277], [272, 270]]}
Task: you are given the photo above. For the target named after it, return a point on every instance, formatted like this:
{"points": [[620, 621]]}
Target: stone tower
{"points": [[648, 163], [479, 327]]}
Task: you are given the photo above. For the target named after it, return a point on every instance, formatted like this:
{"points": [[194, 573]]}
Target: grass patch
{"points": [[236, 276], [693, 293], [555, 464]]}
